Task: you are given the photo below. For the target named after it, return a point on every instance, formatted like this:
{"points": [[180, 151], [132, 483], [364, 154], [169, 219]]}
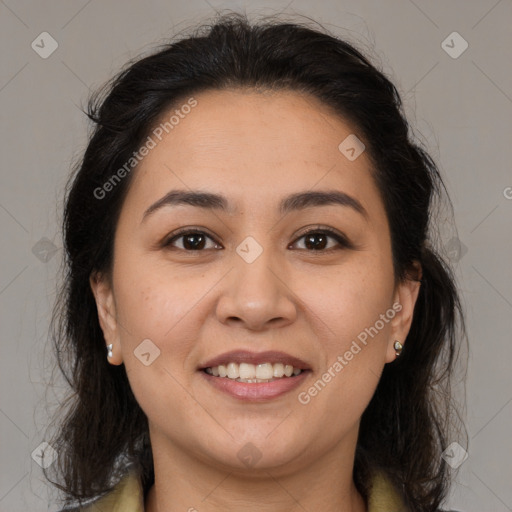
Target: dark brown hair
{"points": [[405, 427]]}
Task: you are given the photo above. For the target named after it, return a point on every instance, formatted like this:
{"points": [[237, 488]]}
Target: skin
{"points": [[255, 148]]}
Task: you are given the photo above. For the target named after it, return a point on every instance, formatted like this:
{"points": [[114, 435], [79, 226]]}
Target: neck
{"points": [[183, 483]]}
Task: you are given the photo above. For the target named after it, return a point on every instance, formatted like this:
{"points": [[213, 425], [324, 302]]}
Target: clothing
{"points": [[128, 496]]}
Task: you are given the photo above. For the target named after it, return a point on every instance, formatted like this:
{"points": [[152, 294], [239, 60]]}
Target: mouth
{"points": [[246, 372], [255, 376]]}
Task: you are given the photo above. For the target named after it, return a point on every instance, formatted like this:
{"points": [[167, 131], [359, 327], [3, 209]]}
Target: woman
{"points": [[254, 312]]}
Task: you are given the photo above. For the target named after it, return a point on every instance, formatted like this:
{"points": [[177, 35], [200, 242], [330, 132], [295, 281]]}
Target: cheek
{"points": [[151, 299], [156, 341], [154, 313], [346, 300], [351, 311], [353, 340]]}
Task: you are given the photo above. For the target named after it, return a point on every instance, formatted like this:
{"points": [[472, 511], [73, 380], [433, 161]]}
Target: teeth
{"points": [[278, 370], [264, 371], [233, 371], [246, 372]]}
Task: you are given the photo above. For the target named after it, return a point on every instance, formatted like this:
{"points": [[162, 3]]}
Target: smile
{"points": [[253, 373]]}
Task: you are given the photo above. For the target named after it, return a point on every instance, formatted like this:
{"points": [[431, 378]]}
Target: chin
{"points": [[255, 451]]}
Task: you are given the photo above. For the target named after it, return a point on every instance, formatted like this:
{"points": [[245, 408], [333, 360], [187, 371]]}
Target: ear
{"points": [[105, 304], [404, 301]]}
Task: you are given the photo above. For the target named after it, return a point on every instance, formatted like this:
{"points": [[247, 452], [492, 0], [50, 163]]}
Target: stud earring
{"points": [[109, 354], [398, 348]]}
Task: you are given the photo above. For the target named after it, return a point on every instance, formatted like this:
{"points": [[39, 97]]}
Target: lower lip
{"points": [[255, 391]]}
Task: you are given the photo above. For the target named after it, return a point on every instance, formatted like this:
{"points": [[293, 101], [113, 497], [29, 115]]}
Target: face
{"points": [[250, 279]]}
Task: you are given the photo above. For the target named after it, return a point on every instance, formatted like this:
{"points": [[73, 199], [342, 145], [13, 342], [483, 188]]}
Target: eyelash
{"points": [[344, 243]]}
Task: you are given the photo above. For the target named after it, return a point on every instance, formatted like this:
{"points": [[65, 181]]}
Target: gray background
{"points": [[460, 108]]}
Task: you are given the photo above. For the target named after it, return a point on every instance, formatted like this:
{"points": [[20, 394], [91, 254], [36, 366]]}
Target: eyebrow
{"points": [[293, 202]]}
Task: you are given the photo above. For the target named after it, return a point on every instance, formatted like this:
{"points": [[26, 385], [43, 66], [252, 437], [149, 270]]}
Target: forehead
{"points": [[243, 123], [252, 146]]}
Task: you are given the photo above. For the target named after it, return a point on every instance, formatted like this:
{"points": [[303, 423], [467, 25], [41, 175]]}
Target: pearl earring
{"points": [[109, 354], [398, 348]]}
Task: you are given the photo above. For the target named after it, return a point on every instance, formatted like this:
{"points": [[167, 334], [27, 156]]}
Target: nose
{"points": [[257, 295]]}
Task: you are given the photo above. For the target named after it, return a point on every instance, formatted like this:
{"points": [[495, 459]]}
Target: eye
{"points": [[316, 240], [193, 240]]}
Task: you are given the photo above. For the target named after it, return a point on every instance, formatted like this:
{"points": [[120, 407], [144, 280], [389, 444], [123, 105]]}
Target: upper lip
{"points": [[245, 356]]}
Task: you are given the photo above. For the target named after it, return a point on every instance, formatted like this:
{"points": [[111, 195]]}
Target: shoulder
{"points": [[384, 496], [127, 495]]}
